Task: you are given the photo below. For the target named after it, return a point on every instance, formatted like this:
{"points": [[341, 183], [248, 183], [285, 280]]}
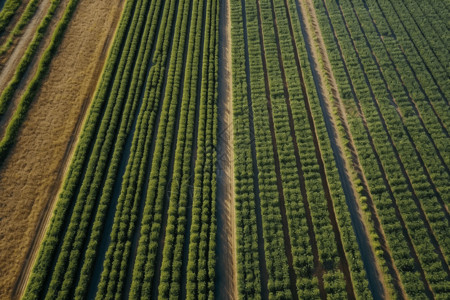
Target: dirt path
{"points": [[31, 177], [226, 283], [376, 280]]}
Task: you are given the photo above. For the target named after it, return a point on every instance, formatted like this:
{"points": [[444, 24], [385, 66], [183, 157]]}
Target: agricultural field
{"points": [[224, 149]]}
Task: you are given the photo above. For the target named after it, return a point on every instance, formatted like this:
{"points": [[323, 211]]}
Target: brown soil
{"points": [[31, 176], [226, 255]]}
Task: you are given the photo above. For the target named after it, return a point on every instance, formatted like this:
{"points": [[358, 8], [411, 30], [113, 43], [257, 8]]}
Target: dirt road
{"points": [[226, 284]]}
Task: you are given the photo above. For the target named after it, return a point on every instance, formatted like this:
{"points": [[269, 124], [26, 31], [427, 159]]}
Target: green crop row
{"points": [[427, 176], [78, 231], [202, 241], [9, 9], [341, 210], [270, 197], [393, 199], [424, 112], [289, 138], [8, 93], [419, 125], [309, 154], [417, 170], [416, 46], [143, 116], [180, 189], [127, 207], [25, 18], [26, 99], [246, 187], [43, 267]]}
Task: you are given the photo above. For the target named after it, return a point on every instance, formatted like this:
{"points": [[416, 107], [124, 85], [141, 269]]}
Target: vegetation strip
{"points": [[365, 194], [389, 168]]}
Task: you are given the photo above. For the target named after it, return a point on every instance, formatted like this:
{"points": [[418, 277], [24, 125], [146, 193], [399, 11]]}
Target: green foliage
{"points": [[25, 18], [7, 12], [404, 142]]}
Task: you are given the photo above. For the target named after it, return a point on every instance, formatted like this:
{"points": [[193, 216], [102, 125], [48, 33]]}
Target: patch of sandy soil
{"points": [[226, 283], [31, 176]]}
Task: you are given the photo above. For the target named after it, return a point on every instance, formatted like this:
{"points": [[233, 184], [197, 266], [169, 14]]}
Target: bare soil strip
{"points": [[226, 283], [386, 182], [261, 254], [287, 240], [423, 215], [32, 175]]}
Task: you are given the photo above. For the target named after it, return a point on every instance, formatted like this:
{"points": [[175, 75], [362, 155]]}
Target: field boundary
{"points": [[226, 286]]}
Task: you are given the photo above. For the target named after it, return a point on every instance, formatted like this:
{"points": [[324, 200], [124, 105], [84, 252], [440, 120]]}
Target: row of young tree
{"points": [[339, 202], [91, 154], [124, 204], [394, 182], [301, 183], [429, 174], [245, 168]]}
